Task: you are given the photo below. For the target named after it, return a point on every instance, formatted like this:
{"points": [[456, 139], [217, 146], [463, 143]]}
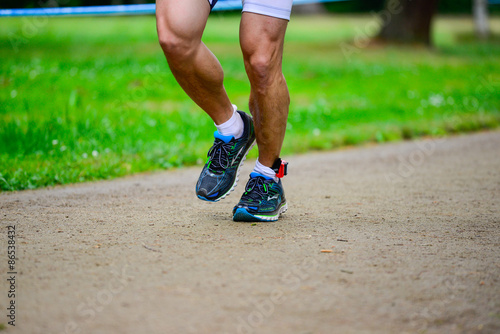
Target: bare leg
{"points": [[180, 26], [261, 39]]}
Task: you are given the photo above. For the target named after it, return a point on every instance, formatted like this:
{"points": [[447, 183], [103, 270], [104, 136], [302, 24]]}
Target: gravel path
{"points": [[396, 238]]}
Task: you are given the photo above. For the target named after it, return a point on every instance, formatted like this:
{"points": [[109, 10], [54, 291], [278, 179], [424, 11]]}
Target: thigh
{"points": [[280, 9], [262, 34], [182, 18]]}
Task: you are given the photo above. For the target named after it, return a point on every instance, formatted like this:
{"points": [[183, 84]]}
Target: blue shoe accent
{"points": [[254, 174], [225, 139], [203, 198], [242, 215]]}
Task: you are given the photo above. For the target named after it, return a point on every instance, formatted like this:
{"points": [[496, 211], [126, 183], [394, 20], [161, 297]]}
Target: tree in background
{"points": [[408, 21], [480, 11]]}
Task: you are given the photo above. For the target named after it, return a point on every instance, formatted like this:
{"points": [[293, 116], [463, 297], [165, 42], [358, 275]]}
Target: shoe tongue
{"points": [[254, 174], [225, 139]]}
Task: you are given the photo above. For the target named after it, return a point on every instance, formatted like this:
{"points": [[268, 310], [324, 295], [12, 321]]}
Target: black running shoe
{"points": [[263, 200], [220, 173]]}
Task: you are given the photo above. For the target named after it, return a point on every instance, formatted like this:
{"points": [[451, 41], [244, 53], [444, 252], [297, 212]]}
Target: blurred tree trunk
{"points": [[314, 8], [408, 21], [480, 10]]}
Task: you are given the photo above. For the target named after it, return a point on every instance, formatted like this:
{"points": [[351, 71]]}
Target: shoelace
{"points": [[219, 154], [255, 189]]}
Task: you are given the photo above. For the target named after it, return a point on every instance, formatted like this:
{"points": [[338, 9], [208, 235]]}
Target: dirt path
{"points": [[412, 231]]}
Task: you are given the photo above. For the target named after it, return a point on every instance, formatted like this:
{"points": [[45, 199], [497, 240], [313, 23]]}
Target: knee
{"points": [[175, 47], [262, 69], [259, 65]]}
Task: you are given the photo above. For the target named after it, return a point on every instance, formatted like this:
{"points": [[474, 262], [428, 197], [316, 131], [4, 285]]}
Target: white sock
{"points": [[232, 127], [264, 170]]}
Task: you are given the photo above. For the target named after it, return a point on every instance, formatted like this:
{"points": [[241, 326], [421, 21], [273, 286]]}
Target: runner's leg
{"points": [[180, 26], [261, 39]]}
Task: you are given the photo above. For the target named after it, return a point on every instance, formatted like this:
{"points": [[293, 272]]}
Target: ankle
{"points": [[232, 127], [264, 170]]}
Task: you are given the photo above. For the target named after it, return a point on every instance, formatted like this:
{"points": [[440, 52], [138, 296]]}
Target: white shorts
{"points": [[280, 9]]}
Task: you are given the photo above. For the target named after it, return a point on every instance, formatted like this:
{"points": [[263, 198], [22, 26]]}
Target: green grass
{"points": [[92, 98]]}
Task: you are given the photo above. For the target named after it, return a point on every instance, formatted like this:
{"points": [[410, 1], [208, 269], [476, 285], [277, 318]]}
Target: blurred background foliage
{"points": [[354, 6], [89, 98]]}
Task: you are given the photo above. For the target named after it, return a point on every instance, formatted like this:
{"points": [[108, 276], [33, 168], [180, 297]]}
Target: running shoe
{"points": [[220, 173], [263, 200]]}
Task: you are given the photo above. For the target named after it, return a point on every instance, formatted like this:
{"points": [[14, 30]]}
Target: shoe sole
{"points": [[233, 186], [242, 215]]}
